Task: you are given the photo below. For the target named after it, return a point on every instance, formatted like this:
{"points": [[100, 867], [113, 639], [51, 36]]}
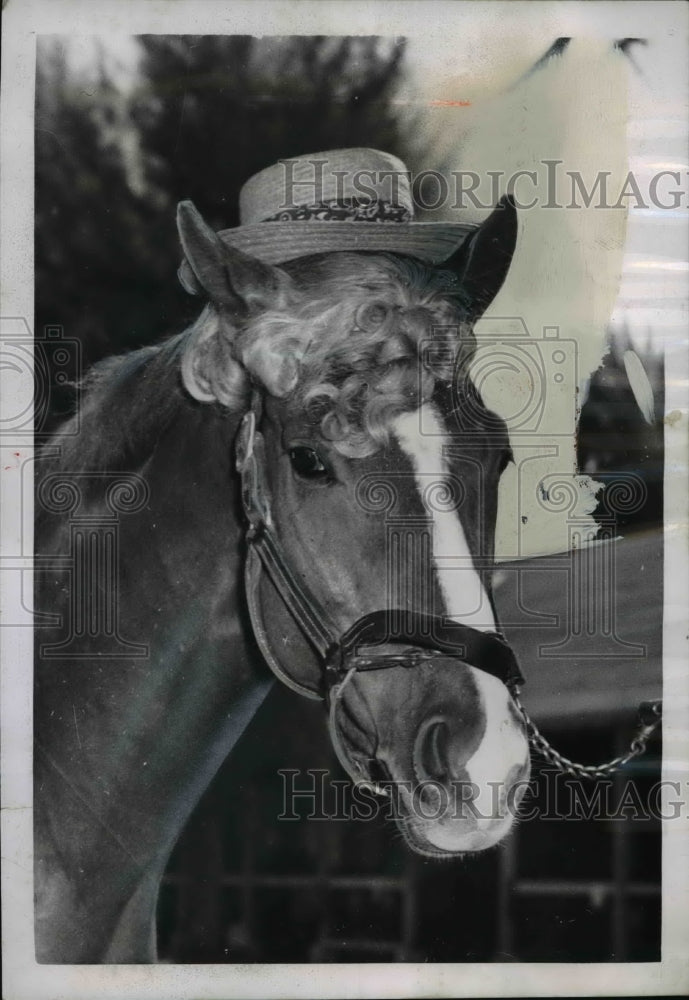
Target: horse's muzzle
{"points": [[438, 735]]}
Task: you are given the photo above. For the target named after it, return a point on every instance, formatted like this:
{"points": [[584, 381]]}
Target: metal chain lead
{"points": [[650, 714]]}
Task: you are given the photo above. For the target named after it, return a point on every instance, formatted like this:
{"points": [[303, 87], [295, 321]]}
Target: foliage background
{"points": [[196, 119]]}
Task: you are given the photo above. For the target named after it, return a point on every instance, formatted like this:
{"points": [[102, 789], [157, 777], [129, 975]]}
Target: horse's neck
{"points": [[126, 746]]}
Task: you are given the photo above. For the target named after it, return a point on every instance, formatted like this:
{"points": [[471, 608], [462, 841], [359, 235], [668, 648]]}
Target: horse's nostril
{"points": [[431, 751]]}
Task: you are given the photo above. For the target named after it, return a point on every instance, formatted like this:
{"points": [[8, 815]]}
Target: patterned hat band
{"points": [[344, 210]]}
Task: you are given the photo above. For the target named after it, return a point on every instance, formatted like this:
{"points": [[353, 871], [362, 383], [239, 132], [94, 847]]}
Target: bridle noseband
{"points": [[366, 645]]}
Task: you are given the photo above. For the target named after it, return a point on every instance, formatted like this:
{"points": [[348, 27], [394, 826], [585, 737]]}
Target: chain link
{"points": [[650, 716]]}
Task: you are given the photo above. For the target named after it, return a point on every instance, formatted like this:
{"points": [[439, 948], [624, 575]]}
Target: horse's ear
{"points": [[483, 260], [230, 278], [242, 286]]}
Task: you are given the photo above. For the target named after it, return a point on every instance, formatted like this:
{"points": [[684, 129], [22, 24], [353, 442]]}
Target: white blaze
{"points": [[421, 436]]}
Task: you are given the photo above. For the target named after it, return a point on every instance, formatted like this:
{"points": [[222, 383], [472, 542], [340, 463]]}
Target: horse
{"points": [[325, 404]]}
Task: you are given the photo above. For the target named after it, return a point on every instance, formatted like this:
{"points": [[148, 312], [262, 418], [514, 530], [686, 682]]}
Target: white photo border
{"points": [[24, 978]]}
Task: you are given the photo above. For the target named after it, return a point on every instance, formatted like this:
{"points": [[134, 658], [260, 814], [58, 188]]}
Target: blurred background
{"points": [[124, 130]]}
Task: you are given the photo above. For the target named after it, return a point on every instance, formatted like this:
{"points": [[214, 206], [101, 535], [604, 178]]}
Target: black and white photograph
{"points": [[344, 480]]}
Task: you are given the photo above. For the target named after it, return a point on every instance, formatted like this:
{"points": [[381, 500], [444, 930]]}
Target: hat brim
{"points": [[277, 242]]}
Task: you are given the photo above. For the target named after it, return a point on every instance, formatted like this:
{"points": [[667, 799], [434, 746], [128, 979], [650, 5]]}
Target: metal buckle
{"points": [[254, 499]]}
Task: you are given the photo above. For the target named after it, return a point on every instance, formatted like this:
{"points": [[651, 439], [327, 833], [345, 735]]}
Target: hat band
{"points": [[344, 210]]}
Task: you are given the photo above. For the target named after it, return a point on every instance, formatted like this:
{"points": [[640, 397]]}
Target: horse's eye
{"points": [[307, 463]]}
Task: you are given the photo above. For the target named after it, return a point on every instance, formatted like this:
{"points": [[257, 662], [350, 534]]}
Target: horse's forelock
{"points": [[345, 346], [356, 330]]}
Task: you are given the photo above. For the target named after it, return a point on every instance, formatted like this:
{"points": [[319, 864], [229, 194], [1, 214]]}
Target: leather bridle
{"points": [[414, 636]]}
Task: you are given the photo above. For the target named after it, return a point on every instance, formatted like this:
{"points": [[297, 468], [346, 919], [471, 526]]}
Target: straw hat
{"points": [[343, 199]]}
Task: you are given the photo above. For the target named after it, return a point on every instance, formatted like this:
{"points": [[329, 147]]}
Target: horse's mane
{"points": [[369, 336], [126, 403]]}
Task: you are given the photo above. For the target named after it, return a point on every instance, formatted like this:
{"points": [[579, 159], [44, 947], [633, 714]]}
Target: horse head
{"points": [[370, 470]]}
